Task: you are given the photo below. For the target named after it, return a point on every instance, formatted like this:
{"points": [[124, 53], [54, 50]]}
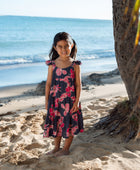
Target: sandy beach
{"points": [[22, 145]]}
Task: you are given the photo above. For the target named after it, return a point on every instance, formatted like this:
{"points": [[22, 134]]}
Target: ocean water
{"points": [[25, 43]]}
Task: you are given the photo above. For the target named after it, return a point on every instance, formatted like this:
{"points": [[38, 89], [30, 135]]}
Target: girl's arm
{"points": [[48, 85], [77, 82], [77, 86]]}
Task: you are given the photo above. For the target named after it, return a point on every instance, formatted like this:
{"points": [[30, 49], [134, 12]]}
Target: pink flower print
{"points": [[66, 107], [58, 71], [54, 133], [55, 112], [64, 72], [68, 133], [72, 73], [51, 126], [62, 105], [75, 117], [45, 126], [72, 88], [69, 94], [68, 129], [62, 119], [82, 130], [68, 89], [64, 95], [79, 112], [58, 113], [55, 89], [46, 133], [73, 130], [65, 79], [56, 102], [62, 125], [51, 110], [61, 99], [52, 114], [51, 118], [73, 98]]}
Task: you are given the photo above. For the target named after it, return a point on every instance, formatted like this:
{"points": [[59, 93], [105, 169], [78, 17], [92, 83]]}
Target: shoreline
{"points": [[20, 65]]}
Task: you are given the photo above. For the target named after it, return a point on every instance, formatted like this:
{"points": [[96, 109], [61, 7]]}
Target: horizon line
{"points": [[56, 17]]}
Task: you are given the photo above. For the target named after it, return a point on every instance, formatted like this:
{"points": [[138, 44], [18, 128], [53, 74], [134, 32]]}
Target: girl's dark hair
{"points": [[62, 36]]}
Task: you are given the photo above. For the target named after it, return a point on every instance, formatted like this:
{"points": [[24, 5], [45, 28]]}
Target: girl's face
{"points": [[63, 48]]}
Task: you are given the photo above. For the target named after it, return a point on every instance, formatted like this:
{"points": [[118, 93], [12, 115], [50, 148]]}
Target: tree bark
{"points": [[124, 48]]}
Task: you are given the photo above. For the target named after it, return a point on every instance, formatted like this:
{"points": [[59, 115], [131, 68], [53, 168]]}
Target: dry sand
{"points": [[22, 145]]}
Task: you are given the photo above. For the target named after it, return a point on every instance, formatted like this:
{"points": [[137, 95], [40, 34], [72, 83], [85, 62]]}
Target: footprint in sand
{"points": [[4, 134], [7, 126], [29, 117], [20, 158], [87, 117], [3, 144], [13, 138], [85, 109], [92, 107], [23, 128], [33, 145]]}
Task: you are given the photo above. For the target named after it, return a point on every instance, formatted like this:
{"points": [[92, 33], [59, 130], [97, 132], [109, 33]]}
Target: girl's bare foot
{"points": [[53, 151], [62, 153]]}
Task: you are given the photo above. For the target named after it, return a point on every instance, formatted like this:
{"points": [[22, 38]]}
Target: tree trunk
{"points": [[125, 117], [124, 48]]}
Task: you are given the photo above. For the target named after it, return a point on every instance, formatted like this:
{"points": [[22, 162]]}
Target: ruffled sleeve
{"points": [[49, 62], [77, 62]]}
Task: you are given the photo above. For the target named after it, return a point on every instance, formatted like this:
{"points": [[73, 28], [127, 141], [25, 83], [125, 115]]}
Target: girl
{"points": [[62, 93]]}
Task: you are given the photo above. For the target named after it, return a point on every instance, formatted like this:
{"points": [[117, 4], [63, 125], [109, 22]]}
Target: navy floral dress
{"points": [[60, 121]]}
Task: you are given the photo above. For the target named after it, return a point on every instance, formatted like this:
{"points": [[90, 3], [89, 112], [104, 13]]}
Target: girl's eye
{"points": [[59, 47]]}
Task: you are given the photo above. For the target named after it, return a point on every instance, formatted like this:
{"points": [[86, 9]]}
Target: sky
{"points": [[89, 9]]}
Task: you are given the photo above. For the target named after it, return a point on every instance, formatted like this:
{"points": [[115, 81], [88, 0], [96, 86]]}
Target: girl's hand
{"points": [[75, 107]]}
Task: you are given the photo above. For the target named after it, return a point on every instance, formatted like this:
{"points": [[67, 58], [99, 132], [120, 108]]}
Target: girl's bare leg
{"points": [[68, 143], [57, 141], [65, 150]]}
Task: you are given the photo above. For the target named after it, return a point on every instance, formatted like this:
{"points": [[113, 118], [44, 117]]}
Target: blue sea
{"points": [[25, 43]]}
